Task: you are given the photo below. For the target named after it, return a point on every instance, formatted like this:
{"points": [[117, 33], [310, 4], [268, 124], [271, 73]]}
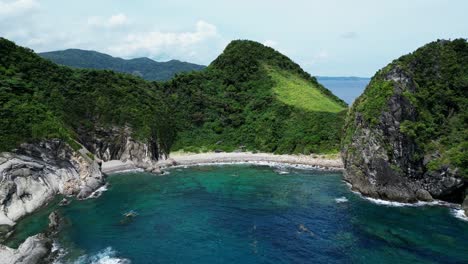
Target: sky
{"points": [[327, 38]]}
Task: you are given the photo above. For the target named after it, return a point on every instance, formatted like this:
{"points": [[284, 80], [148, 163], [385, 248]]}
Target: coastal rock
{"points": [[381, 151], [54, 222], [465, 205], [64, 202], [116, 143], [34, 173], [35, 249]]}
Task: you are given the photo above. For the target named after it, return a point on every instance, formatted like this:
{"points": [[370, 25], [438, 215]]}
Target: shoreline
{"points": [[319, 162]]}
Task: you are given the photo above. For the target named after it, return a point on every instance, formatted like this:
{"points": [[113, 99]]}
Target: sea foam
{"points": [[460, 214], [341, 200], [98, 192], [273, 164], [105, 256]]}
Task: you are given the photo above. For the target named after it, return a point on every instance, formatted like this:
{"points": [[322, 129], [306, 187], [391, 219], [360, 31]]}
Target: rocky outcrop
{"points": [[35, 249], [369, 163], [117, 143], [465, 204], [34, 173], [380, 159]]}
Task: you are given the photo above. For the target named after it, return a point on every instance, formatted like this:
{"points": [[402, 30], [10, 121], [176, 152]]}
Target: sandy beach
{"points": [[191, 159]]}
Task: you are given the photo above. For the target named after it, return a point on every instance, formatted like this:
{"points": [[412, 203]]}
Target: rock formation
{"points": [[404, 136], [117, 143], [34, 173]]}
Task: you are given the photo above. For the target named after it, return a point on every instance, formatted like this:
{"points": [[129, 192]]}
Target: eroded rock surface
{"points": [[34, 173], [117, 143]]}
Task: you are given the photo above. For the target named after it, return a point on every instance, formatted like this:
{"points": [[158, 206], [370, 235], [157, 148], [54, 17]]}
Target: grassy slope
{"points": [[293, 90]]}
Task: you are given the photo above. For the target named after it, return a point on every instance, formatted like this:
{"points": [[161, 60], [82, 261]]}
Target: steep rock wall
{"points": [[408, 106]]}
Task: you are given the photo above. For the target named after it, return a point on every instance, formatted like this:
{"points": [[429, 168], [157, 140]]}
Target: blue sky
{"points": [[333, 37]]}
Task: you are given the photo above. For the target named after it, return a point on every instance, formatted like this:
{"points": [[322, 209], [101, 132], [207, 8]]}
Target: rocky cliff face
{"points": [[117, 143], [34, 173], [386, 160]]}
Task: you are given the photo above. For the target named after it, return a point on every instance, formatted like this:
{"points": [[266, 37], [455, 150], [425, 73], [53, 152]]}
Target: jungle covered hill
{"points": [[42, 100], [251, 98]]}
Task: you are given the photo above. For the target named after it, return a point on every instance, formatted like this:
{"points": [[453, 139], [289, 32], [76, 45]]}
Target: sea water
{"points": [[250, 214]]}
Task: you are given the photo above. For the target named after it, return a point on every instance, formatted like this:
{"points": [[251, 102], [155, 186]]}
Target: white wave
{"points": [[341, 200], [59, 251], [455, 208], [280, 165], [459, 213], [98, 192], [106, 256], [400, 204]]}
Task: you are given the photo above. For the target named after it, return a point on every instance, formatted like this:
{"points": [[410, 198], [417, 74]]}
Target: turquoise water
{"points": [[254, 214]]}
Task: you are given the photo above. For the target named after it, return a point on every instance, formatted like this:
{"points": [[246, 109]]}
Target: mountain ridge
{"points": [[144, 67]]}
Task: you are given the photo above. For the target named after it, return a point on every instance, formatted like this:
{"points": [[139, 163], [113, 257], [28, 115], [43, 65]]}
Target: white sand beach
{"points": [[190, 159]]}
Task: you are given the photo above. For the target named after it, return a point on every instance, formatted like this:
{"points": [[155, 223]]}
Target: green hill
{"points": [[254, 97], [144, 67], [40, 99], [250, 97]]}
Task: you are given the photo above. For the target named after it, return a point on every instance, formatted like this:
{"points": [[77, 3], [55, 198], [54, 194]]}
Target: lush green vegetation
{"points": [[250, 97], [439, 71], [146, 68], [241, 100], [40, 99]]}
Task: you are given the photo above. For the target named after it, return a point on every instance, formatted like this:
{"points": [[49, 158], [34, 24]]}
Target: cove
{"points": [[249, 214]]}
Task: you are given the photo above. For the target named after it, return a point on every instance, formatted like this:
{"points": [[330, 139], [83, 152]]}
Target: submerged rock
{"points": [[64, 202], [54, 222]]}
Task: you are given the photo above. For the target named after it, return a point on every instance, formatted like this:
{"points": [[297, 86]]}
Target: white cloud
{"points": [[11, 8], [156, 43], [113, 21]]}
